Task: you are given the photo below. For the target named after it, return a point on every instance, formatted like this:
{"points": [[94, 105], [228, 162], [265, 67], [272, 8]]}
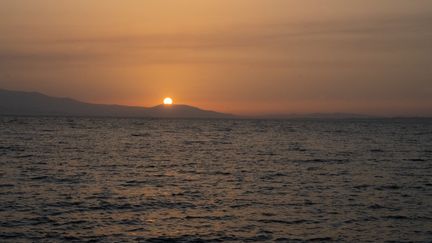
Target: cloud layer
{"points": [[374, 61]]}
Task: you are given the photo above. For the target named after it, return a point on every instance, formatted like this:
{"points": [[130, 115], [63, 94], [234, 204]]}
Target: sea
{"points": [[66, 179]]}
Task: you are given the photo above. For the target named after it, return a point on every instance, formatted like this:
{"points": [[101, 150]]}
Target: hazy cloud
{"points": [[382, 57]]}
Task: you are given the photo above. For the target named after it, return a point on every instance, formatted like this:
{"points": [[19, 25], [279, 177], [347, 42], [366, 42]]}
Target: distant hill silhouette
{"points": [[22, 103], [318, 116], [37, 104]]}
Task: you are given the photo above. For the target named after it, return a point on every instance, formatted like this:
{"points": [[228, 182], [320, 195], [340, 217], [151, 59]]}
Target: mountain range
{"points": [[21, 103], [37, 104]]}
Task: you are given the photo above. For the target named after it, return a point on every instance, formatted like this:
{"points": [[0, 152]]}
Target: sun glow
{"points": [[168, 101]]}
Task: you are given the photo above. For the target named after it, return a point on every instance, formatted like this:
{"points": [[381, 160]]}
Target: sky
{"points": [[245, 56]]}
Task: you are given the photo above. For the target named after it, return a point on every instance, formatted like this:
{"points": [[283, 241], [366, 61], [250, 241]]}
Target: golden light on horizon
{"points": [[168, 101], [247, 57]]}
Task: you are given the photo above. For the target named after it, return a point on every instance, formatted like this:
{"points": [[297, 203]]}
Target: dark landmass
{"points": [[20, 103], [36, 104], [318, 116]]}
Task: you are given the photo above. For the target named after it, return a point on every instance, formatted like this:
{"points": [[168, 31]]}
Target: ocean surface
{"points": [[156, 180]]}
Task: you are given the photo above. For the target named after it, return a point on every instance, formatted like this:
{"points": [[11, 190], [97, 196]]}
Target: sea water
{"points": [[157, 180]]}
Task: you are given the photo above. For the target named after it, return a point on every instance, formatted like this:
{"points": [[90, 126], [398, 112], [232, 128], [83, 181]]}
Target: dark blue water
{"points": [[120, 180]]}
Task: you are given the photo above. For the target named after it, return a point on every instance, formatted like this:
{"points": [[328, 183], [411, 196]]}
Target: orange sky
{"points": [[242, 56]]}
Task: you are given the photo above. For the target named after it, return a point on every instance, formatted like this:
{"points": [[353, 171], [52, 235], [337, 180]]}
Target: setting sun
{"points": [[168, 101]]}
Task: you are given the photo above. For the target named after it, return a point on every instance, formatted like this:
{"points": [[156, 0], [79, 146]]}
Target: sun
{"points": [[168, 101]]}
